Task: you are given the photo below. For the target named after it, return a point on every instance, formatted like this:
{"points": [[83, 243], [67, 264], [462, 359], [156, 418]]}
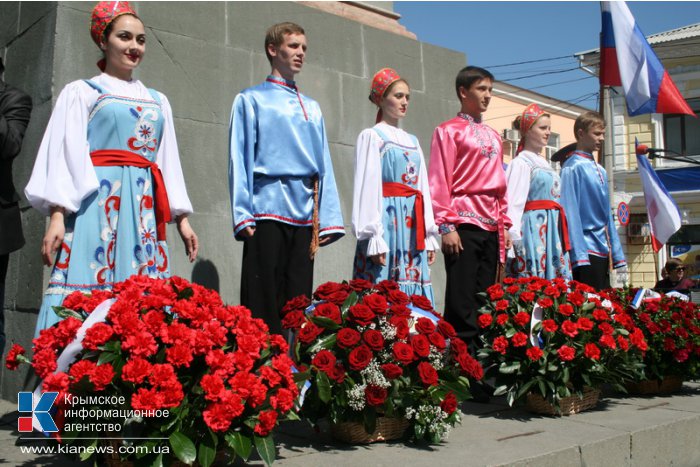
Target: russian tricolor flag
{"points": [[664, 215], [627, 60]]}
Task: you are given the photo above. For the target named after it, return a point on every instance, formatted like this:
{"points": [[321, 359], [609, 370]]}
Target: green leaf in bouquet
{"points": [[302, 376], [460, 391], [106, 357], [149, 447], [158, 461], [541, 385], [325, 322], [297, 351], [586, 379], [207, 450], [623, 331], [183, 447], [553, 367], [500, 390], [241, 444], [350, 301], [265, 446], [185, 294], [88, 453], [419, 430], [563, 391], [113, 346], [323, 385], [292, 416], [325, 343], [565, 375], [507, 369], [510, 397], [64, 313], [510, 333], [370, 421], [524, 389], [552, 387]]}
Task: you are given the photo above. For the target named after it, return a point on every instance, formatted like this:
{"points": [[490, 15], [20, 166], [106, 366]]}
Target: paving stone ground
{"points": [[621, 431]]}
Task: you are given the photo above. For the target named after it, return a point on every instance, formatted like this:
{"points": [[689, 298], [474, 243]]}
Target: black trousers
{"points": [[468, 273], [4, 260], [597, 275], [276, 268]]}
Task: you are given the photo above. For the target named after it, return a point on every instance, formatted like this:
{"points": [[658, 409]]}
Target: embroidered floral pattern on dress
{"points": [[488, 144], [411, 175], [145, 140]]}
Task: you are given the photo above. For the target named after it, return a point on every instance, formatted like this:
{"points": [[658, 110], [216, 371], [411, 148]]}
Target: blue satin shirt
{"points": [[584, 196], [277, 146]]}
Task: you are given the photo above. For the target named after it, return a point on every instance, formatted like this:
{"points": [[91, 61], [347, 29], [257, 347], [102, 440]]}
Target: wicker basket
{"points": [[388, 428], [567, 405], [667, 385]]}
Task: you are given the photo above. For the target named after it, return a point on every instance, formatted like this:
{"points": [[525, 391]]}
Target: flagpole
{"points": [[602, 158]]}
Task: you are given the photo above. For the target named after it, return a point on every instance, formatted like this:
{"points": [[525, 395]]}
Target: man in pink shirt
{"points": [[468, 188]]}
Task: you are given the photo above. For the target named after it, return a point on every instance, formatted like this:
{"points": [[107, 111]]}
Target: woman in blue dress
{"points": [[107, 155], [539, 233], [392, 212]]}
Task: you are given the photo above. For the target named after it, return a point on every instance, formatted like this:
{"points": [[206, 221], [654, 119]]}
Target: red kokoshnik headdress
{"points": [[380, 83], [530, 115], [102, 15]]}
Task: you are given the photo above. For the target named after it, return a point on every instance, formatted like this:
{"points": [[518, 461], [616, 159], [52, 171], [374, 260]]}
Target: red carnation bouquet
{"points": [[556, 338], [167, 367], [371, 351], [672, 329]]}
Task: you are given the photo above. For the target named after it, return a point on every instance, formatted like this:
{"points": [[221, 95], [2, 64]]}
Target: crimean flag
{"points": [[664, 215], [627, 60]]}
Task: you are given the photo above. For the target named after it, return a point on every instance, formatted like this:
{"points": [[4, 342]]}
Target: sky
{"points": [[494, 33]]}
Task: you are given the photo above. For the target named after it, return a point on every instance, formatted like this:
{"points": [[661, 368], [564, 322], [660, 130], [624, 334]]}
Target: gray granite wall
{"points": [[200, 54]]}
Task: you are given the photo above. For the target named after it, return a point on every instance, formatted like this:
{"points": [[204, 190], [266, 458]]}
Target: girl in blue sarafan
{"points": [[539, 231], [107, 155], [392, 213]]}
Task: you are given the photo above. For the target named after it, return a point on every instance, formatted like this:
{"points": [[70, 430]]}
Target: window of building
{"points": [[552, 146], [686, 235], [682, 132]]}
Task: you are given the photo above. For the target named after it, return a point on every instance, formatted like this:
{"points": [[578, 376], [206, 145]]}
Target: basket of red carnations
{"points": [[671, 327], [378, 361], [554, 343], [173, 373]]}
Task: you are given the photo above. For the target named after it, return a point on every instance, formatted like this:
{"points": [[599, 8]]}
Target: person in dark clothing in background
{"points": [[15, 109], [675, 278]]}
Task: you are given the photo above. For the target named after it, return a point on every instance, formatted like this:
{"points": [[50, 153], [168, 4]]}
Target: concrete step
{"points": [[621, 431]]}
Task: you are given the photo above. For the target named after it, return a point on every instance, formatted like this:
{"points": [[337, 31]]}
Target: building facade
{"points": [[679, 51]]}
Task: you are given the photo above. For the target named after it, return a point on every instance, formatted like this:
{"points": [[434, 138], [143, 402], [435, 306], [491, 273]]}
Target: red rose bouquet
{"points": [[671, 327], [555, 338], [168, 368], [371, 350]]}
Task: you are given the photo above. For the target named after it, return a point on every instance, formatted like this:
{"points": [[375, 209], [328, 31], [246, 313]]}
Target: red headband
{"points": [[530, 115], [103, 14], [380, 83]]}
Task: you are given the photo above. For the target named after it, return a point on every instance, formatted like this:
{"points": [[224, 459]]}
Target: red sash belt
{"points": [[391, 189], [549, 204], [117, 157]]}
